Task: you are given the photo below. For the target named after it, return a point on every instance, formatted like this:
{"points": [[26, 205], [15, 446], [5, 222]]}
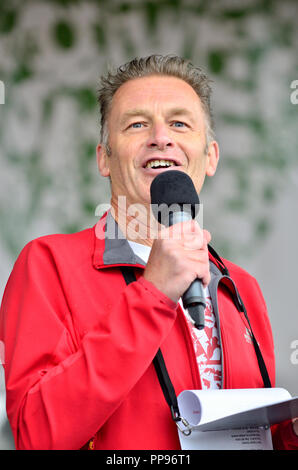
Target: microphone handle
{"points": [[193, 298], [194, 301]]}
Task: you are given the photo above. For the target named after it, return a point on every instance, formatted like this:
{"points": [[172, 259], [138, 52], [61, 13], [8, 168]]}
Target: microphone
{"points": [[174, 199]]}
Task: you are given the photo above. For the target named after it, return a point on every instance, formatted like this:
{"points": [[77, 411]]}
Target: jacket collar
{"points": [[111, 246]]}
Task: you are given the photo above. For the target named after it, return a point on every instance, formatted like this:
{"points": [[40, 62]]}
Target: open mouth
{"points": [[156, 164]]}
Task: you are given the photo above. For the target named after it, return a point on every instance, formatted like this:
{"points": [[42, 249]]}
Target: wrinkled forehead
{"points": [[155, 94]]}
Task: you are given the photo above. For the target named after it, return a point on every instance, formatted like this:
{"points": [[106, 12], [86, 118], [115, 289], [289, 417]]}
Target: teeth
{"points": [[156, 163]]}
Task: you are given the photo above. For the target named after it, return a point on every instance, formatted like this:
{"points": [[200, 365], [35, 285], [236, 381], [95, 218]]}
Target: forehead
{"points": [[155, 93]]}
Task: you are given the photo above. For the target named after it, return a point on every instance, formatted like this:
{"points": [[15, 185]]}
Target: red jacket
{"points": [[79, 346]]}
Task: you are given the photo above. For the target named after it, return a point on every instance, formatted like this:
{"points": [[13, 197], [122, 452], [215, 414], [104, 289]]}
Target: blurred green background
{"points": [[51, 56]]}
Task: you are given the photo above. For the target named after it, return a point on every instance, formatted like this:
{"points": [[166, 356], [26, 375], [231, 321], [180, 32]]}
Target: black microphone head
{"points": [[175, 190]]}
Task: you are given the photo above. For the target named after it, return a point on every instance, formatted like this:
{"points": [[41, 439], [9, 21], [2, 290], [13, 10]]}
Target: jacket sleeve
{"points": [[284, 437], [61, 390]]}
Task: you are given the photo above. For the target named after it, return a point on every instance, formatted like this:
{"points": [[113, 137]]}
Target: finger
{"points": [[203, 273], [197, 238], [193, 242], [207, 236]]}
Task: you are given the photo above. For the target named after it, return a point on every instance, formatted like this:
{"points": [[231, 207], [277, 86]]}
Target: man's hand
{"points": [[177, 257]]}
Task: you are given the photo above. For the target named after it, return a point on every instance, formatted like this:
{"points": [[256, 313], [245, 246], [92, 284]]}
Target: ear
{"points": [[102, 160], [212, 158]]}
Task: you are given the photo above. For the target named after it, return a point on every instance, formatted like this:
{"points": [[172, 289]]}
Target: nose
{"points": [[160, 137]]}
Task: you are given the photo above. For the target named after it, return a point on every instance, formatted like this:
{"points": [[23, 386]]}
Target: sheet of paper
{"points": [[204, 406], [233, 439], [234, 419]]}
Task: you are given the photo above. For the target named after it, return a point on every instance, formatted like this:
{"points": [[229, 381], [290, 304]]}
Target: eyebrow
{"points": [[133, 113], [143, 112], [181, 111]]}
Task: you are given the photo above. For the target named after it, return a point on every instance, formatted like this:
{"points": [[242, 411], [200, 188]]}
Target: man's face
{"points": [[155, 119]]}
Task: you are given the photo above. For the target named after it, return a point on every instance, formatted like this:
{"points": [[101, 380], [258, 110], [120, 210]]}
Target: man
{"points": [[79, 342]]}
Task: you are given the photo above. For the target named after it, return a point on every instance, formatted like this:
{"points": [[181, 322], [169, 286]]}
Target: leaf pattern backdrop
{"points": [[52, 53]]}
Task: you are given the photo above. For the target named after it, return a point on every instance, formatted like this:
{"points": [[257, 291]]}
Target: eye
{"points": [[179, 124], [136, 125]]}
